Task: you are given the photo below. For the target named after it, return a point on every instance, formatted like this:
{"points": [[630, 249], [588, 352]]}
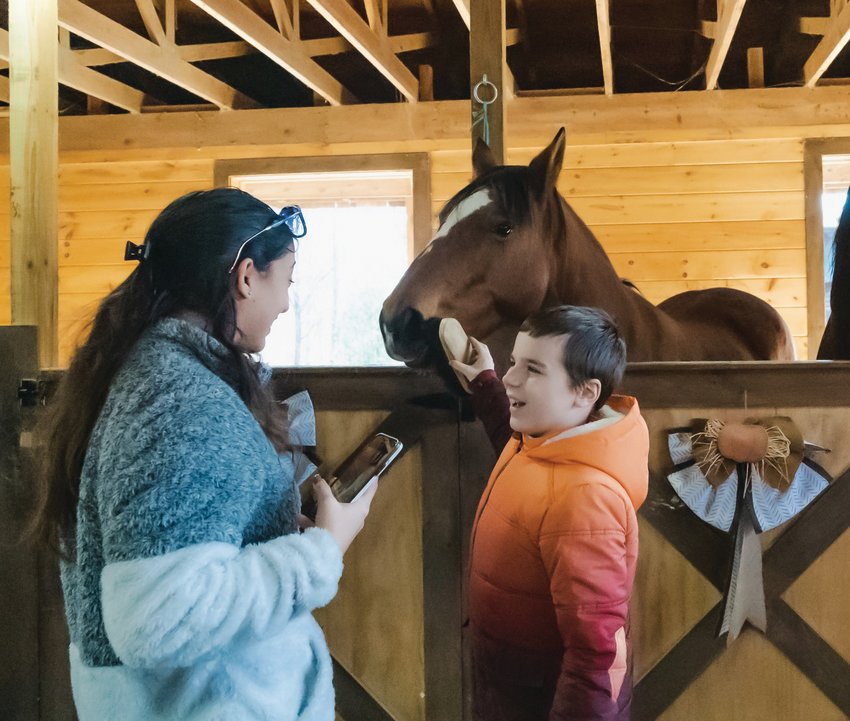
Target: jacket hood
{"points": [[617, 444]]}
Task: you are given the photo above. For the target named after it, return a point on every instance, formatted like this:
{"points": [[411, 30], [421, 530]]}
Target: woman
{"points": [[169, 490]]}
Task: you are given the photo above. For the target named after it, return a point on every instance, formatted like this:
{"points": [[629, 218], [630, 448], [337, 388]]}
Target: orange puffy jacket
{"points": [[552, 563]]}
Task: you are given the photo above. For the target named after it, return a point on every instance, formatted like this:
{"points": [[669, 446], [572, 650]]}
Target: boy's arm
{"points": [[489, 401], [583, 546], [490, 404]]}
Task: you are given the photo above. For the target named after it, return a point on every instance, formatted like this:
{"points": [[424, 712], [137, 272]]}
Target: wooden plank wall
{"points": [[101, 206], [673, 216]]}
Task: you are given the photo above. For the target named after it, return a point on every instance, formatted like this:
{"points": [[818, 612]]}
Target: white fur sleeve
{"points": [[171, 610]]}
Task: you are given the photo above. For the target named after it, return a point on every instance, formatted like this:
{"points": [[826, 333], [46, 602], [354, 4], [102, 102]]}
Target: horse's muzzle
{"points": [[406, 337]]}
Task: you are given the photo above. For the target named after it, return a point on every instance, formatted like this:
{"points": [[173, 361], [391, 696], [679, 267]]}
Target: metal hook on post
{"points": [[481, 116]]}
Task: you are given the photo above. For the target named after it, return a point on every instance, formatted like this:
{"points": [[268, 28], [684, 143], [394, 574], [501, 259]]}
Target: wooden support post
{"points": [[426, 82], [487, 57], [33, 171], [755, 67]]}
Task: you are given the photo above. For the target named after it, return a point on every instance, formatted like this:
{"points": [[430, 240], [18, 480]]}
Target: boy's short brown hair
{"points": [[595, 348]]}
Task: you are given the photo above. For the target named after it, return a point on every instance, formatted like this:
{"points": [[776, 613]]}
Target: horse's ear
{"points": [[483, 159], [546, 167]]}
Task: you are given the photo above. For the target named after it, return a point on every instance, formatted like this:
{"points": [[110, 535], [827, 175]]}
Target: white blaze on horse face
{"points": [[466, 207]]}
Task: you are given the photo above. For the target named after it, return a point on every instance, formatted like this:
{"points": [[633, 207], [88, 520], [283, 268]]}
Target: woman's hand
{"points": [[342, 520], [482, 361]]}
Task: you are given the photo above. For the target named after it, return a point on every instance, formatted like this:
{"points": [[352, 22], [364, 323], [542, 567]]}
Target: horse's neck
{"points": [[586, 275]]}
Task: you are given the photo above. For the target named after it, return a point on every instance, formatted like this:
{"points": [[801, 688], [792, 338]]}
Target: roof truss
{"points": [[728, 16], [162, 60], [286, 53], [371, 42], [836, 33], [75, 75]]}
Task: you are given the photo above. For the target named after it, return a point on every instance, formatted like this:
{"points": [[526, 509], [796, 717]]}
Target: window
{"points": [[360, 240], [826, 172], [836, 179]]}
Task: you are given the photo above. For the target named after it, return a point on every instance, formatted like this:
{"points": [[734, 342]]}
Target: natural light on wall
{"points": [[357, 247], [836, 177]]}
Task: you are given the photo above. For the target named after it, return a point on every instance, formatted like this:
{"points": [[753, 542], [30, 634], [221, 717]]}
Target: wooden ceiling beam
{"points": [[463, 10], [253, 29], [238, 48], [728, 15], [171, 20], [834, 39], [374, 16], [162, 61], [283, 19], [4, 89], [75, 75], [603, 20], [374, 47], [152, 22]]}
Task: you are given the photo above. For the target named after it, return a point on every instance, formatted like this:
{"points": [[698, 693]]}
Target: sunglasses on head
{"points": [[290, 216]]}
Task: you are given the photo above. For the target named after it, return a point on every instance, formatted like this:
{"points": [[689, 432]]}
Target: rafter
{"points": [[162, 61], [374, 16], [728, 15], [153, 24], [283, 20], [171, 20], [375, 48], [603, 20], [77, 76], [252, 28], [835, 38], [239, 48], [463, 10]]}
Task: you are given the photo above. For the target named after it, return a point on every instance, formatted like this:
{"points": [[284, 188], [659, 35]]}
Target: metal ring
{"points": [[478, 85]]}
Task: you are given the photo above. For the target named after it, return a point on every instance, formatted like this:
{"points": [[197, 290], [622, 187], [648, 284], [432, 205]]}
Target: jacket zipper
{"points": [[481, 511]]}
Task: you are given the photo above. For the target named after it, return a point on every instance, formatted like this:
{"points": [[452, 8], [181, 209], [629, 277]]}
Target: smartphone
{"points": [[355, 474]]}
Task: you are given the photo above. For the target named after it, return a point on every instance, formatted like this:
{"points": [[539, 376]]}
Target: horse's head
{"points": [[489, 263]]}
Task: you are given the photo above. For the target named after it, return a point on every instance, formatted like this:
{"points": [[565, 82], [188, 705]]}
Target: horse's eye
{"points": [[503, 230]]}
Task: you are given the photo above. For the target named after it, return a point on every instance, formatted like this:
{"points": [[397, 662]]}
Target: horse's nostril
{"points": [[406, 325], [403, 334]]}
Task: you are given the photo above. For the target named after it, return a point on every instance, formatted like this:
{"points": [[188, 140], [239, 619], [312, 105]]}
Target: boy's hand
{"points": [[483, 361], [342, 520]]}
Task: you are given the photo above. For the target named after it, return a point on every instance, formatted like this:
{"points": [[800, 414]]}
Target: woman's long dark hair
{"points": [[835, 343], [190, 247]]}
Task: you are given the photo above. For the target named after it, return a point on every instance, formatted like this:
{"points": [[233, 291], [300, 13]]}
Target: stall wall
{"points": [[673, 216]]}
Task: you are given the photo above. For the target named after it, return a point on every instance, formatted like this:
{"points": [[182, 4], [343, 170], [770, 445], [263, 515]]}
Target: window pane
{"points": [[347, 264], [832, 203]]}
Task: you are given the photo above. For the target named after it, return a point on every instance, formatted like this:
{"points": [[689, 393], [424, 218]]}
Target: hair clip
{"points": [[135, 252]]}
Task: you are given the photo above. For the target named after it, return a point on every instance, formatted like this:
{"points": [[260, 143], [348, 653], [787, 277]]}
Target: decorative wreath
{"points": [[745, 478]]}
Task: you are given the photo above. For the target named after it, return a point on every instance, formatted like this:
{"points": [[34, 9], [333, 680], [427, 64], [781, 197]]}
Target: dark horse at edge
{"points": [[835, 344], [509, 245]]}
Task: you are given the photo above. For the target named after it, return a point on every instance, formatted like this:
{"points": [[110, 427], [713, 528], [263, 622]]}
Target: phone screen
{"points": [[371, 459], [356, 472]]}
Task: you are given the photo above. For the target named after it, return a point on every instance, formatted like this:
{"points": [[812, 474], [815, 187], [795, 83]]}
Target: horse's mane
{"points": [[509, 185]]}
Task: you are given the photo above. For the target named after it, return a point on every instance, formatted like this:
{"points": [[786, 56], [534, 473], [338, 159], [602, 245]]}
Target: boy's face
{"points": [[541, 394]]}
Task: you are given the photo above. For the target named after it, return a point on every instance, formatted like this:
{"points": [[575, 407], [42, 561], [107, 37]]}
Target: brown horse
{"points": [[835, 344], [509, 245]]}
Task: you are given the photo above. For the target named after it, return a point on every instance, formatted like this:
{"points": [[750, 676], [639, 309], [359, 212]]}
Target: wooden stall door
{"points": [[34, 676]]}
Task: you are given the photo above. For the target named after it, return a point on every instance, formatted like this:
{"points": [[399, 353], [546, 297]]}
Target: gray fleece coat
{"points": [[191, 591]]}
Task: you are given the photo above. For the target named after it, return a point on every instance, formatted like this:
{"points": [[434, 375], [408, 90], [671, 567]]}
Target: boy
{"points": [[555, 538]]}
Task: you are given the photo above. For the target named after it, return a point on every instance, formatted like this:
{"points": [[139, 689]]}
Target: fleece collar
{"points": [[210, 351]]}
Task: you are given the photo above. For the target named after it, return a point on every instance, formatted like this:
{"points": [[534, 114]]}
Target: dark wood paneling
{"points": [[19, 666]]}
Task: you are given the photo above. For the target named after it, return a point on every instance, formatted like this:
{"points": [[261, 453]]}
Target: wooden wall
{"points": [[673, 215]]}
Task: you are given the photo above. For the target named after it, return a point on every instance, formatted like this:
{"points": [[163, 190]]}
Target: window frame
{"points": [[418, 163], [814, 150]]}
